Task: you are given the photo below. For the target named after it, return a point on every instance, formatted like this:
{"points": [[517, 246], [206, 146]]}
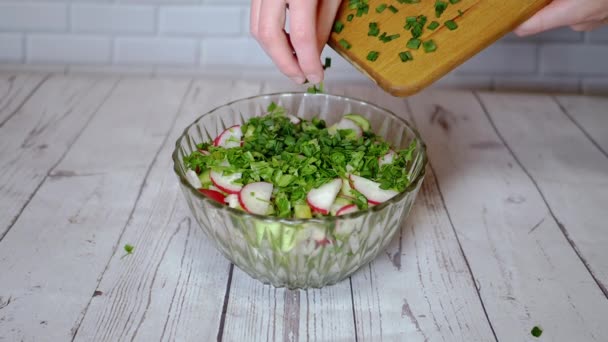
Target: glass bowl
{"points": [[286, 252]]}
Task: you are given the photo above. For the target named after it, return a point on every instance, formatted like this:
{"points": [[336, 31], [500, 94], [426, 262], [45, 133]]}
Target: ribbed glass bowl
{"points": [[282, 252]]}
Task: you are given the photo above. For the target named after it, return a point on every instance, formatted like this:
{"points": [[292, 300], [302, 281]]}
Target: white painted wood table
{"points": [[510, 230]]}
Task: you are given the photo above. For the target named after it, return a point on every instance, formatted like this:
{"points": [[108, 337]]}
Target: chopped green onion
{"points": [[129, 249], [385, 39], [373, 29], [413, 44], [406, 56], [440, 7], [432, 26], [536, 331], [429, 46], [346, 45], [454, 1], [408, 1], [372, 56], [350, 17], [338, 26], [451, 25], [393, 9], [381, 8], [460, 13], [327, 64]]}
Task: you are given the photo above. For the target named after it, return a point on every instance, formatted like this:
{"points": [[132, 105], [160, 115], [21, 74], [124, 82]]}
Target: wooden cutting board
{"points": [[480, 23]]}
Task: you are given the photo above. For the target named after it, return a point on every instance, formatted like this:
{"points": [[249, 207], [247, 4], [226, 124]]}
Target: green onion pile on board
{"points": [[415, 25]]}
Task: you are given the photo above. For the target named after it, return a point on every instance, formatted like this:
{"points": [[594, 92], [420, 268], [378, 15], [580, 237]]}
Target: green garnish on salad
{"points": [[282, 165]]}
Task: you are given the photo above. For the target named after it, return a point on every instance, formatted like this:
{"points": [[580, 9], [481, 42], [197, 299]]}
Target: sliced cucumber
{"points": [[288, 240], [359, 120], [302, 211], [205, 179]]}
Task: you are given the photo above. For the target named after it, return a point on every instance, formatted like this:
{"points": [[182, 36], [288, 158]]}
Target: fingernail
{"points": [[298, 79], [314, 79]]}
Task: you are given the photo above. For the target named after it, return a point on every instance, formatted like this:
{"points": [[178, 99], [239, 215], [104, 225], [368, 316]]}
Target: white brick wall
{"points": [[211, 36]]}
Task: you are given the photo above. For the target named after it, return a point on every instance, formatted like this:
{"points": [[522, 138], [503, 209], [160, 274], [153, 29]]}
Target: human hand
{"points": [[580, 15], [311, 22]]}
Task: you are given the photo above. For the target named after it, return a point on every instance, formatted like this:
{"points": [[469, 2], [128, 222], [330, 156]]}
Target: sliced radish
{"points": [[294, 119], [225, 182], [371, 190], [387, 158], [229, 138], [204, 152], [192, 178], [346, 123], [347, 209], [321, 198], [214, 195], [232, 201], [255, 197]]}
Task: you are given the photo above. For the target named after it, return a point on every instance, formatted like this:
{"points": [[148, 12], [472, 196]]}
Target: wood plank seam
{"points": [[25, 100], [577, 124], [449, 216], [352, 300], [71, 143], [561, 226], [220, 331], [139, 193]]}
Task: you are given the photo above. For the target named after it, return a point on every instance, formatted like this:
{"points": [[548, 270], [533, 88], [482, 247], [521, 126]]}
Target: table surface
{"points": [[508, 232]]}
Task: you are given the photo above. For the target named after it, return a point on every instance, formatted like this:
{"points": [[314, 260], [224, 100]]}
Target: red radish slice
{"points": [[255, 197], [294, 119], [346, 123], [232, 201], [192, 178], [321, 198], [225, 182], [229, 138], [204, 152], [371, 190], [214, 195], [387, 158], [347, 209]]}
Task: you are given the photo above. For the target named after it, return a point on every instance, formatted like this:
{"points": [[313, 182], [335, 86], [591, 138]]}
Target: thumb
{"points": [[556, 14]]}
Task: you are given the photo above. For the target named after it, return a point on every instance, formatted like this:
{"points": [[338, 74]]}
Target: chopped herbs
{"points": [[429, 46], [316, 90], [415, 24], [451, 25], [296, 156], [338, 26], [440, 7], [327, 64], [406, 56], [536, 331], [373, 30], [346, 45], [129, 249], [385, 39], [414, 43], [372, 56]]}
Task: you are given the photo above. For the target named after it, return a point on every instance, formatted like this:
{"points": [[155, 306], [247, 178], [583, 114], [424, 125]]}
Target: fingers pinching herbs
{"points": [[273, 39]]}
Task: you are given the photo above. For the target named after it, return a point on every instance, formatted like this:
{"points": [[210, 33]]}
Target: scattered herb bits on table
{"points": [[282, 165]]}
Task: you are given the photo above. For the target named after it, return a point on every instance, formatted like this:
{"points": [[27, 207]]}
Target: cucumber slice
{"points": [[288, 241], [302, 211], [359, 120], [205, 179]]}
